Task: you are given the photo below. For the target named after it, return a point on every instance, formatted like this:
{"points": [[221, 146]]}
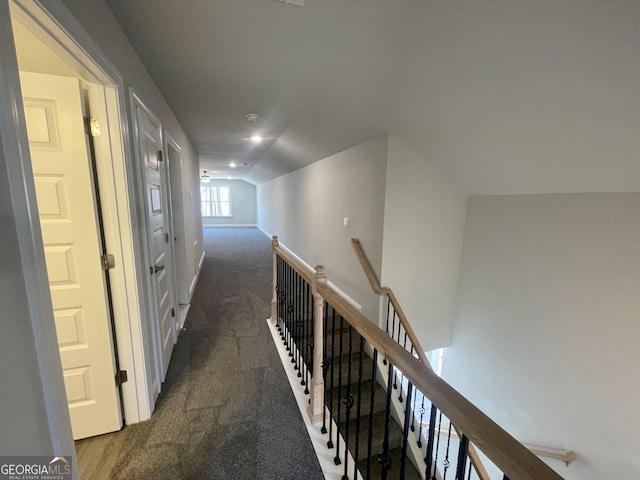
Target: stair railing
{"points": [[329, 342], [413, 346]]}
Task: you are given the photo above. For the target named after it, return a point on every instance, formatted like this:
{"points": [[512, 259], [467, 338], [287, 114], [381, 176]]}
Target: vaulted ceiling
{"points": [[505, 96]]}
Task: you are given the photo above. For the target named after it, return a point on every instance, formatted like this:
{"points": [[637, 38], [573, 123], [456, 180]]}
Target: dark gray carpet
{"points": [[226, 410]]}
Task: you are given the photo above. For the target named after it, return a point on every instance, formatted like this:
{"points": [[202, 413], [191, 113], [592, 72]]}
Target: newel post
{"points": [[274, 297], [316, 404]]}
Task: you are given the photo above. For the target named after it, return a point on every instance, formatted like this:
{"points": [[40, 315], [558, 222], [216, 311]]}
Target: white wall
{"points": [[423, 229], [243, 205], [99, 21], [306, 209], [546, 340]]}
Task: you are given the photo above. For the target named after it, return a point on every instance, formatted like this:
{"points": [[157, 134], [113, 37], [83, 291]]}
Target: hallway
{"points": [[226, 410]]}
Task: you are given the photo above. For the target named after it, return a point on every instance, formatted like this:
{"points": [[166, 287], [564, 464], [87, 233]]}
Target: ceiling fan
{"points": [[204, 178]]}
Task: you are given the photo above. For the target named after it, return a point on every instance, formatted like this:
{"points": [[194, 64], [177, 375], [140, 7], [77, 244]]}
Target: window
{"points": [[215, 201]]}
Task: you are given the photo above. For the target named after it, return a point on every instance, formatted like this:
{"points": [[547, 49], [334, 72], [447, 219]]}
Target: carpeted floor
{"points": [[226, 410]]}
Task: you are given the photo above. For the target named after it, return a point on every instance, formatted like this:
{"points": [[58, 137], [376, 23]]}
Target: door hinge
{"points": [[166, 238], [173, 312], [108, 261], [160, 159], [121, 377], [94, 127]]}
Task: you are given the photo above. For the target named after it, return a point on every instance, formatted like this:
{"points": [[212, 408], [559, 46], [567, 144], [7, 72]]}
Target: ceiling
{"points": [[505, 96]]}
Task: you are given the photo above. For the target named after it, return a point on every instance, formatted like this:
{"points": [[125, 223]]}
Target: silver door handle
{"points": [[157, 268]]}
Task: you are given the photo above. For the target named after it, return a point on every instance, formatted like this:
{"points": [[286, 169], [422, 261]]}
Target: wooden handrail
{"points": [[385, 291], [567, 456], [292, 260], [513, 458]]}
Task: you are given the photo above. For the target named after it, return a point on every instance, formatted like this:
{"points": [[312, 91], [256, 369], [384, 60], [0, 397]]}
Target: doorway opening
{"points": [[45, 47]]}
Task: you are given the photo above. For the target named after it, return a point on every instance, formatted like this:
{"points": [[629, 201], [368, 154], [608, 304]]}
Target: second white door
{"points": [[159, 234]]}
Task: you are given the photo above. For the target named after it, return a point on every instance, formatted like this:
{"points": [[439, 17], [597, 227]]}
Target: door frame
{"points": [[68, 38], [178, 233]]}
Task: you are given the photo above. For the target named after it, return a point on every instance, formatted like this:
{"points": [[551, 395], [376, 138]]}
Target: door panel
{"points": [[68, 218], [158, 218]]}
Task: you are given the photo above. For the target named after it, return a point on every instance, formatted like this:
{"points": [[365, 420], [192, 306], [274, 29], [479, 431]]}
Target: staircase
{"points": [[364, 383], [371, 395]]}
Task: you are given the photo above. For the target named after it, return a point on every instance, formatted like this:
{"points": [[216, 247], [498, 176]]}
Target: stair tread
{"points": [[411, 472]]}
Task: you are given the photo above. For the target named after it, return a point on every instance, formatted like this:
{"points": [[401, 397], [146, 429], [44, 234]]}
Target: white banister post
{"points": [[316, 405], [274, 296]]}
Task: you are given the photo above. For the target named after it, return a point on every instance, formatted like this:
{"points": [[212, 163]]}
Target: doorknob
{"points": [[157, 268]]}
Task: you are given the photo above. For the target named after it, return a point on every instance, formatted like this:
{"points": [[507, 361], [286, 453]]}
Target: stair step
{"points": [[335, 343], [379, 399], [411, 473], [334, 373], [395, 434]]}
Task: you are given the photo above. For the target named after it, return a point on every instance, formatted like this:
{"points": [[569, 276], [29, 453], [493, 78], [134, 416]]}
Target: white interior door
{"points": [[159, 233], [68, 217]]}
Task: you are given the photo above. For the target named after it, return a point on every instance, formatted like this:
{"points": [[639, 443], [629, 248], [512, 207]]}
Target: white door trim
{"points": [[68, 38]]}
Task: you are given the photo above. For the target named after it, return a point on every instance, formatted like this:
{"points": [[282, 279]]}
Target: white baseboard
{"points": [[184, 310], [325, 455], [230, 225], [264, 231], [192, 287]]}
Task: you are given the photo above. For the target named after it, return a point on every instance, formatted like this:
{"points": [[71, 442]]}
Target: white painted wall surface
{"points": [[546, 339], [243, 205], [423, 229], [306, 209], [98, 20]]}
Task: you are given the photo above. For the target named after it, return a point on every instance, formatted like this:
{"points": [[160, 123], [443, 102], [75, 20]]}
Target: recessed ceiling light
{"points": [[252, 117], [256, 139], [232, 164], [244, 164]]}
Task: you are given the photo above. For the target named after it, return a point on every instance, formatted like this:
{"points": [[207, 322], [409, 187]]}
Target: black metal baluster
{"points": [[395, 376], [463, 448], [428, 458], [413, 409], [348, 402], [505, 477], [384, 459], [446, 462], [336, 460], [371, 402], [300, 343], [325, 362], [470, 469], [386, 328], [422, 411], [435, 459], [278, 292], [295, 324], [358, 408], [282, 303], [402, 373], [333, 369], [393, 325], [289, 309], [405, 433]]}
